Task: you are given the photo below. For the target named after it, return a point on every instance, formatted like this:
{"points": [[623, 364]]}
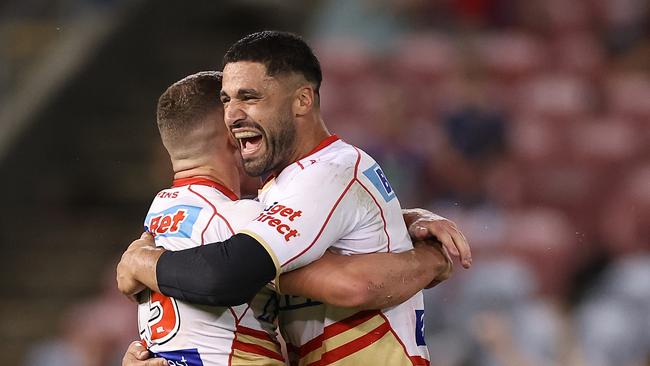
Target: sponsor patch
{"points": [[183, 357], [379, 180], [281, 218], [419, 328], [176, 221]]}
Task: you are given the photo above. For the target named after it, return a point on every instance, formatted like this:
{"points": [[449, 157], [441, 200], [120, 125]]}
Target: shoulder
{"points": [[339, 154], [171, 197], [196, 201], [241, 212], [338, 164], [246, 208]]}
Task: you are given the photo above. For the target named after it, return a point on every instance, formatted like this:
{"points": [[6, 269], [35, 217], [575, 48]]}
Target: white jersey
{"points": [[338, 197], [193, 212]]}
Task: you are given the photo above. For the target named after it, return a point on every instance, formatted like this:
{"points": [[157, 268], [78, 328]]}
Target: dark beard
{"points": [[279, 148]]}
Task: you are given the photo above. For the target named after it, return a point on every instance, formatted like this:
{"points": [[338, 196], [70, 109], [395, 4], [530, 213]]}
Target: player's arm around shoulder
{"points": [[370, 281]]}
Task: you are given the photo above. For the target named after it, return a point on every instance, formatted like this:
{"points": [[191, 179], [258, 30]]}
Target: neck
{"points": [[307, 138], [228, 178]]}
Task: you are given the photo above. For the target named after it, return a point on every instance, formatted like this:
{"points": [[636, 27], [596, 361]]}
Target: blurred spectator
{"points": [[526, 122], [615, 321], [624, 22], [94, 332], [613, 332], [528, 125], [497, 318], [625, 219], [476, 133], [376, 23]]}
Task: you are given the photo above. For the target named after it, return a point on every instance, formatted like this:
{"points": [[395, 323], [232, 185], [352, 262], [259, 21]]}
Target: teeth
{"points": [[245, 134]]}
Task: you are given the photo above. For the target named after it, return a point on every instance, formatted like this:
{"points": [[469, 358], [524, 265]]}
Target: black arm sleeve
{"points": [[220, 274]]}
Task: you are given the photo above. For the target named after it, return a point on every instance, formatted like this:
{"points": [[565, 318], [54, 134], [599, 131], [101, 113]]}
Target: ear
{"points": [[304, 100]]}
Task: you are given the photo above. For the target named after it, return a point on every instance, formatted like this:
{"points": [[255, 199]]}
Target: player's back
{"points": [[193, 212], [338, 197]]}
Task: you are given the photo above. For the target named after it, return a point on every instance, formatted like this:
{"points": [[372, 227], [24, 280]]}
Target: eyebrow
{"points": [[242, 92]]}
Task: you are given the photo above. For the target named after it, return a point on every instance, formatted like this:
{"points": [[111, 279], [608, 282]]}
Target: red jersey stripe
{"points": [[419, 361], [321, 145], [336, 329], [349, 323], [255, 333], [329, 216], [205, 182], [356, 345], [256, 349], [214, 209], [413, 359]]}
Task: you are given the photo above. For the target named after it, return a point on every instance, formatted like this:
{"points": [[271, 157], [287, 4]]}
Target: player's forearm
{"points": [[219, 274], [402, 275], [368, 281], [394, 280], [324, 280]]}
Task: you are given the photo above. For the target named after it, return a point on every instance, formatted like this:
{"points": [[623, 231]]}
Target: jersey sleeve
{"points": [[309, 214]]}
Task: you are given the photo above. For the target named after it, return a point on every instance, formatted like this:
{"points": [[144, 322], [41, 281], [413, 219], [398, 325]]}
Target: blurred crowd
{"points": [[94, 331], [528, 123], [32, 30]]}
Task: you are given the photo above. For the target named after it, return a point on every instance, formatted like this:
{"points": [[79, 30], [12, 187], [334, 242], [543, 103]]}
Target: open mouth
{"points": [[249, 142]]}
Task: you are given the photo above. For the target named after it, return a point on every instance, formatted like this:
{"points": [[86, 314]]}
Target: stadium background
{"points": [[526, 122]]}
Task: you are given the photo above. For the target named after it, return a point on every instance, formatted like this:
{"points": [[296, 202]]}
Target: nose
{"points": [[233, 113]]}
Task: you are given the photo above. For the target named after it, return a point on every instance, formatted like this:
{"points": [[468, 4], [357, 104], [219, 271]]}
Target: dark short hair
{"points": [[280, 52], [182, 107]]}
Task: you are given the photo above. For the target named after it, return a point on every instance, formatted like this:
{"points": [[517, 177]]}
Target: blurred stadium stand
{"points": [[81, 171], [526, 122]]}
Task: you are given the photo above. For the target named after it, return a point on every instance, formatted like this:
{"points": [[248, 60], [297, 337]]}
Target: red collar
{"points": [[323, 144], [205, 182]]}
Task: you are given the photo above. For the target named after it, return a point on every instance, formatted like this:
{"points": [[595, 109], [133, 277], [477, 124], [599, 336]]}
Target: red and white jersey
{"points": [[338, 198], [193, 212]]}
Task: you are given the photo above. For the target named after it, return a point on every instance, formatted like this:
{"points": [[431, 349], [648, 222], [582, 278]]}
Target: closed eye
{"points": [[249, 97], [224, 97]]}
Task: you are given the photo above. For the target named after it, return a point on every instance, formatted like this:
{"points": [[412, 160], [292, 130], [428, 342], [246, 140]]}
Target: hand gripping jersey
{"points": [[193, 212], [338, 197]]}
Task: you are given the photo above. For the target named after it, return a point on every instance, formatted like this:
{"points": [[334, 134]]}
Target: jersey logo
{"points": [[419, 328], [379, 180], [165, 194], [183, 357], [281, 218], [176, 221]]}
